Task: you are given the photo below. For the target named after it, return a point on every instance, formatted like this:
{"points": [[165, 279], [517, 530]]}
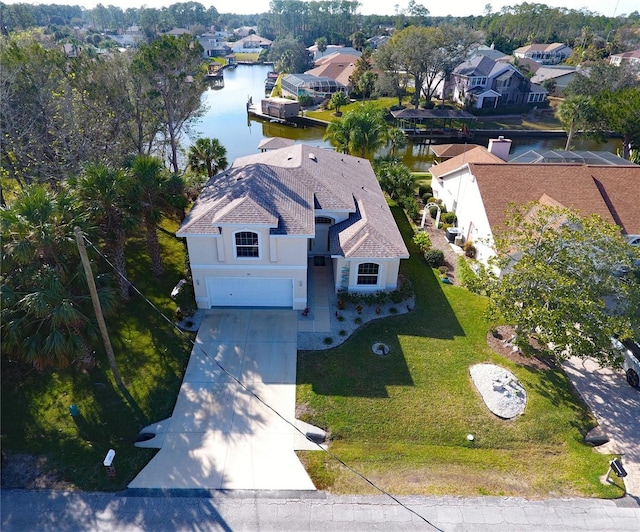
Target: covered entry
{"points": [[249, 292]]}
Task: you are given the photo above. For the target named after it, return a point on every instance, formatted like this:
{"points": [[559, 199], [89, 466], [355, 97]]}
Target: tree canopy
{"points": [[569, 281]]}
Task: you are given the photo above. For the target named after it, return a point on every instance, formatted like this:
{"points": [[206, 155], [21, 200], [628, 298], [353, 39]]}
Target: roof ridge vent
{"points": [[313, 157]]}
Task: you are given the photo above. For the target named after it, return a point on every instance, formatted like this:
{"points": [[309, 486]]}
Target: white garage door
{"points": [[244, 292]]}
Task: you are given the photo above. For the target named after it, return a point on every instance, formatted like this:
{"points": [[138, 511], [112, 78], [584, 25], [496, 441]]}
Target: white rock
{"points": [[501, 391]]}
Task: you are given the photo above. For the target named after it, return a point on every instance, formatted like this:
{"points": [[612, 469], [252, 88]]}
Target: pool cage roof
{"points": [[561, 156], [295, 83]]}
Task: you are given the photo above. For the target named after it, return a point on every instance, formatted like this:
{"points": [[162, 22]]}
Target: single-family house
{"points": [[275, 143], [213, 45], [252, 44], [178, 32], [547, 54], [255, 227], [332, 49], [335, 66], [490, 52], [632, 57], [560, 75], [444, 152], [480, 191], [484, 83]]}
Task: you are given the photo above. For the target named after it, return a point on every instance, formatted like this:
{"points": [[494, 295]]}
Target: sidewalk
{"points": [[53, 511]]}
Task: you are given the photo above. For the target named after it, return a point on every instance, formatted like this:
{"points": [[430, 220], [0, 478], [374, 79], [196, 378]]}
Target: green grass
{"points": [[247, 57], [403, 419], [151, 358], [328, 116]]}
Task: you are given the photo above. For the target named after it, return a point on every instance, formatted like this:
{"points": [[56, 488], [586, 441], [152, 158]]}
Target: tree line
{"points": [[337, 20], [93, 143]]}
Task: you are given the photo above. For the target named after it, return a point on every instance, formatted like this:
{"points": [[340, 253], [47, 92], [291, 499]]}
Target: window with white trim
{"points": [[247, 244], [368, 273]]}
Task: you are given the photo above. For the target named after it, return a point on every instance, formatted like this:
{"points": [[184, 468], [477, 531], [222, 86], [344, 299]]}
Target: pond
{"points": [[226, 119]]}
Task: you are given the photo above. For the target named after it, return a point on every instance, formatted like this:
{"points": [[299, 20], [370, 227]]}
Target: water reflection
{"points": [[226, 119]]}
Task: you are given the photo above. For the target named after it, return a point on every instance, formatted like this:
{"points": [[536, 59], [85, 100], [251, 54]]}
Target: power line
{"points": [[257, 397]]}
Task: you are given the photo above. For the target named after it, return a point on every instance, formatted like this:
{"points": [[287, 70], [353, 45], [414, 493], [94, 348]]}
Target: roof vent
{"points": [[313, 157], [289, 157]]}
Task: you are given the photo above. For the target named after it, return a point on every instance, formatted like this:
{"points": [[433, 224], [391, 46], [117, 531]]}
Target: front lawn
{"points": [[403, 419], [151, 357]]}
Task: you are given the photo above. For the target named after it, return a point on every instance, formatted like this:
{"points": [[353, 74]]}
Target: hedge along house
{"points": [[254, 228]]}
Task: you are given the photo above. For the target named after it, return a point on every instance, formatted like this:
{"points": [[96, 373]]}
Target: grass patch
{"points": [[328, 116], [517, 122], [403, 419], [151, 357], [247, 57]]}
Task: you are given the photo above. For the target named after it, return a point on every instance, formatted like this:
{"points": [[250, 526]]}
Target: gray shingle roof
{"points": [[282, 188]]}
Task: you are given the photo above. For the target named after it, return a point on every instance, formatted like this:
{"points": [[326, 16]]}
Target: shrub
{"points": [[434, 258], [358, 320], [433, 212], [340, 318], [396, 296], [422, 240], [424, 190], [411, 207], [431, 199], [449, 218], [469, 249], [472, 281], [359, 309], [342, 304], [443, 270], [444, 226], [328, 340], [393, 310], [342, 332]]}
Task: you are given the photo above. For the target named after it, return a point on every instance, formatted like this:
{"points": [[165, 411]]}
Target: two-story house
{"points": [[484, 83], [254, 228]]}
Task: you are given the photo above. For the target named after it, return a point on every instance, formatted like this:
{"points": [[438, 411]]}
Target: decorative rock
{"points": [[596, 437], [501, 391]]}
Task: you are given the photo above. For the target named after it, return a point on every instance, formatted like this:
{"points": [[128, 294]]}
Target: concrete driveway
{"points": [[220, 435], [616, 406]]}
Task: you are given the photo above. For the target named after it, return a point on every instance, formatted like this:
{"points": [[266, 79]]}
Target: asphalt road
{"points": [[278, 511]]}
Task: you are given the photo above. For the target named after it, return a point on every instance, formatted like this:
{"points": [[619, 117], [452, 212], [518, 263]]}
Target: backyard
{"points": [[403, 419]]}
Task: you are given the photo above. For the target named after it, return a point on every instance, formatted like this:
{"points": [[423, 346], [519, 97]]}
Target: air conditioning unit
{"points": [[459, 241]]}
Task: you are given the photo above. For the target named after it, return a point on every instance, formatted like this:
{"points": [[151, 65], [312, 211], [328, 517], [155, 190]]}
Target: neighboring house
{"points": [[245, 31], [490, 52], [252, 44], [318, 87], [632, 57], [178, 32], [547, 54], [576, 156], [377, 41], [213, 45], [484, 83], [335, 66], [332, 49], [254, 228], [560, 75], [444, 152], [275, 143], [480, 192]]}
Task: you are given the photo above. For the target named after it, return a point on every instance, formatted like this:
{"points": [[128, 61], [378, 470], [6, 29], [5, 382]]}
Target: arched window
{"points": [[368, 273], [247, 244]]}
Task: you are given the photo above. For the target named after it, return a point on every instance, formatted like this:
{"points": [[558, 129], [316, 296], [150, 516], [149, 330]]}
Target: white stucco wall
{"points": [[280, 257], [460, 193], [346, 274]]}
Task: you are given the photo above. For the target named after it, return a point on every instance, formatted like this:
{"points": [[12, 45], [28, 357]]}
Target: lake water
{"points": [[226, 119]]}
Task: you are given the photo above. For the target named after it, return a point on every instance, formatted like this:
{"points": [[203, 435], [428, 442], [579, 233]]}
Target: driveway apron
{"points": [[220, 435], [616, 406]]}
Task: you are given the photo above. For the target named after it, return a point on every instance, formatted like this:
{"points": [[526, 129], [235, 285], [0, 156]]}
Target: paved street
{"points": [[252, 511]]}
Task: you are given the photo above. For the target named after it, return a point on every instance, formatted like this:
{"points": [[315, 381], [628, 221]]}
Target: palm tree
{"points": [[361, 131], [149, 190], [45, 301], [338, 99], [207, 155], [105, 194], [396, 139], [574, 113]]}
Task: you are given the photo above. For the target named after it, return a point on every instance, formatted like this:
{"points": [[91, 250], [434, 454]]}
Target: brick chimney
{"points": [[500, 147]]}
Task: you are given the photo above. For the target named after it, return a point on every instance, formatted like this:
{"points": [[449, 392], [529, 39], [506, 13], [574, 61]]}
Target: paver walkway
{"points": [[220, 436]]}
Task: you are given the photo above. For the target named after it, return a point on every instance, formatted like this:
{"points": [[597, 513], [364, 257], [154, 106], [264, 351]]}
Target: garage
{"points": [[250, 292]]}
